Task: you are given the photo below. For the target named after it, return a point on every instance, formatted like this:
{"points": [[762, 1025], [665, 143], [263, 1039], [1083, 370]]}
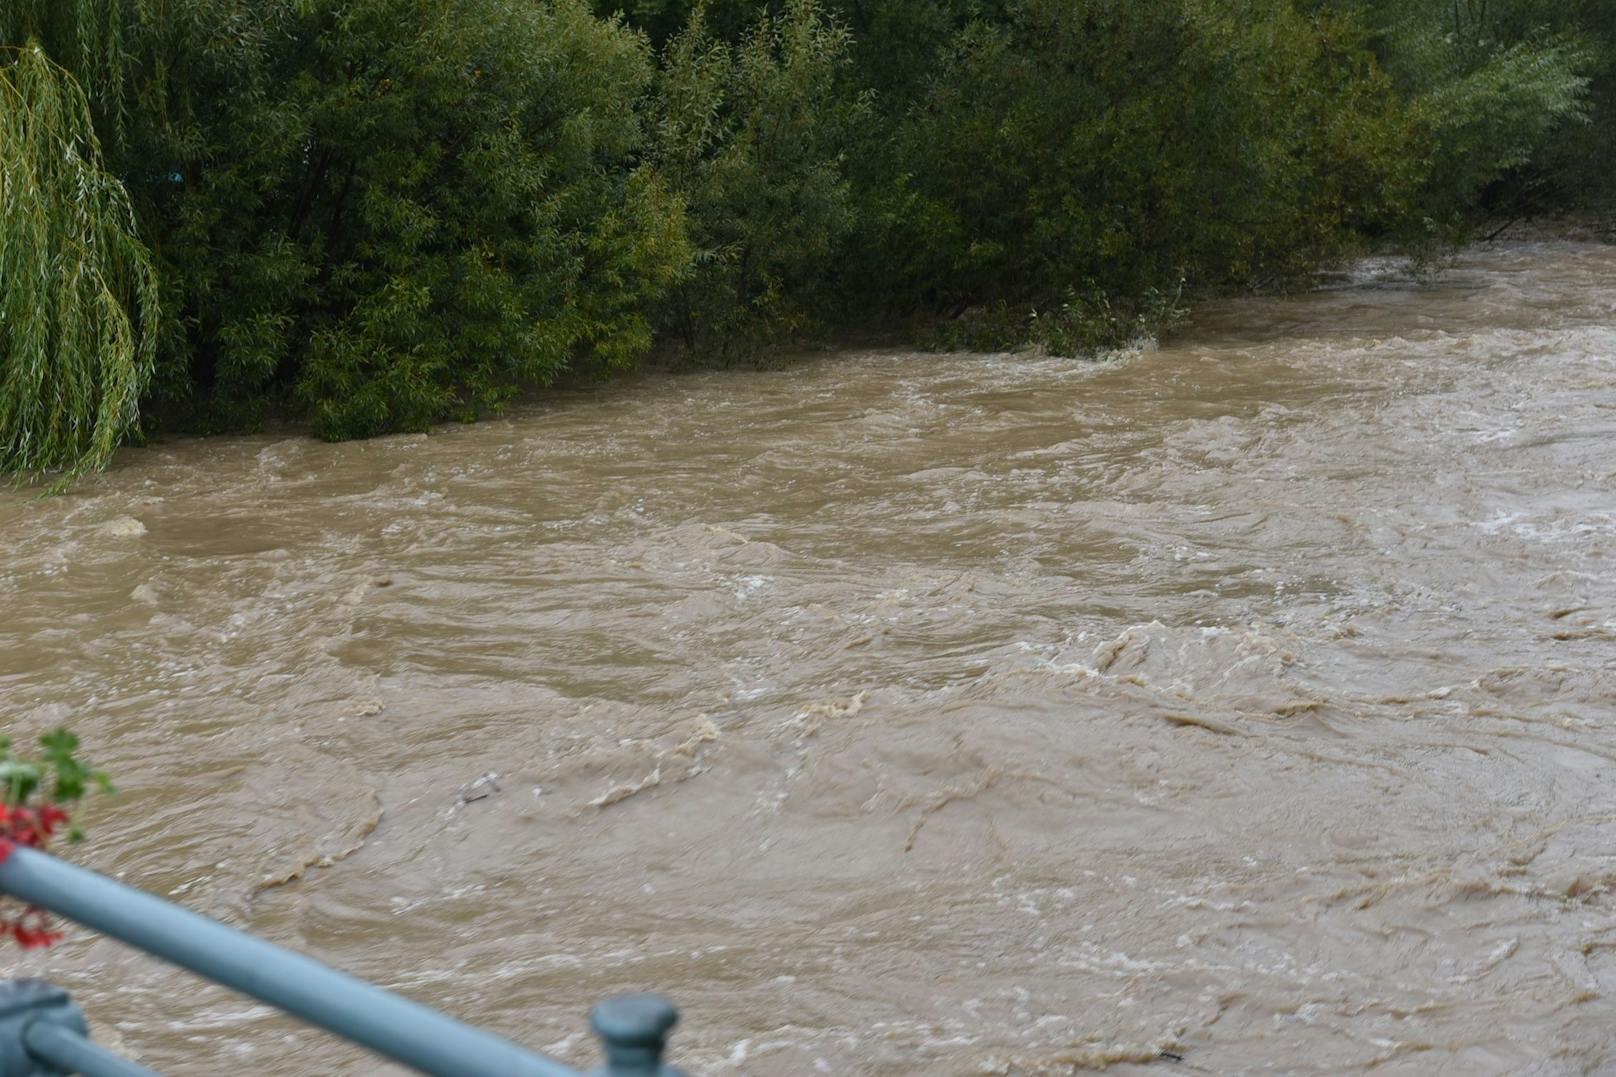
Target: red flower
{"points": [[32, 929], [32, 827]]}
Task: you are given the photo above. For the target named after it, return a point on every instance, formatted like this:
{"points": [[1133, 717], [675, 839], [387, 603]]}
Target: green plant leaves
{"points": [[79, 305], [58, 772]]}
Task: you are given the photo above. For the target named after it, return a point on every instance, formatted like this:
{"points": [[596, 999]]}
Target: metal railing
{"points": [[42, 1033]]}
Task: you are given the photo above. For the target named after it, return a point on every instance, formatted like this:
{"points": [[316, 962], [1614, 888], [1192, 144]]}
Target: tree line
{"points": [[376, 215]]}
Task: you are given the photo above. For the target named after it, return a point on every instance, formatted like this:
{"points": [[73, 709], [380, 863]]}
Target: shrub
{"points": [[753, 136], [1221, 142], [1501, 91], [401, 211]]}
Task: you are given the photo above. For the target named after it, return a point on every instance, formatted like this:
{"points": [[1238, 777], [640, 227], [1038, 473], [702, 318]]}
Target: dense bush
{"points": [[1515, 98], [419, 207], [385, 213], [1080, 156], [753, 136]]}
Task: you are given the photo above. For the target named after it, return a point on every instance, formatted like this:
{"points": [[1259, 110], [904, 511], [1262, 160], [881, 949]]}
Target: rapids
{"points": [[1248, 698]]}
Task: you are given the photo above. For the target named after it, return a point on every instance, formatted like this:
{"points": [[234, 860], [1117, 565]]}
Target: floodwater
{"points": [[1250, 699]]}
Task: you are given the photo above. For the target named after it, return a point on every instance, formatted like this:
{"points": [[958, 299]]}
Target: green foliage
{"points": [[1087, 322], [663, 20], [375, 215], [1501, 88], [753, 136], [79, 306], [1076, 150], [86, 37], [406, 210], [1497, 115], [58, 776]]}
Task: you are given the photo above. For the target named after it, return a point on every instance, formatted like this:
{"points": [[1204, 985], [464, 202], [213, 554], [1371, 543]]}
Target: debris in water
{"points": [[123, 527], [484, 787], [318, 857], [704, 732], [623, 792]]}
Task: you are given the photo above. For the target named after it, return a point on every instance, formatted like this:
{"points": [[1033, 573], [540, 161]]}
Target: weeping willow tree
{"points": [[87, 37], [78, 291]]}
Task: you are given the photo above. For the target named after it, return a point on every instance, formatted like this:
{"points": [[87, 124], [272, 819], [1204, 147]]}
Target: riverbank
{"points": [[373, 228]]}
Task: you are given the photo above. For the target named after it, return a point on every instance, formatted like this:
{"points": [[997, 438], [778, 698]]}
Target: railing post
{"points": [[633, 1030], [23, 1002], [43, 1034]]}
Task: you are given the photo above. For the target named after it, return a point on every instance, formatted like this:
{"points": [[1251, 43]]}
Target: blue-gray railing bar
{"points": [[69, 1052], [388, 1024]]}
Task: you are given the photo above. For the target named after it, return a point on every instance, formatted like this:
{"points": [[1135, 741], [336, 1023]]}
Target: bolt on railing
{"points": [[43, 1033]]}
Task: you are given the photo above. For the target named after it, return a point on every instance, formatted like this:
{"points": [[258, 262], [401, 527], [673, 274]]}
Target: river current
{"points": [[1250, 698]]}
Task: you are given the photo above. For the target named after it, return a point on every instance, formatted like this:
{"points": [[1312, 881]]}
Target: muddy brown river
{"points": [[1251, 698]]}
